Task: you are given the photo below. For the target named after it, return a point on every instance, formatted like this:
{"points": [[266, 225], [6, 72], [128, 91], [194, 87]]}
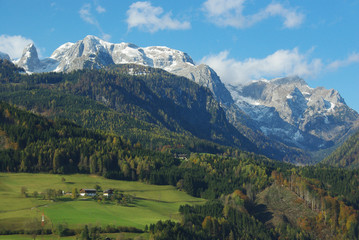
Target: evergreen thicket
{"points": [[347, 155]]}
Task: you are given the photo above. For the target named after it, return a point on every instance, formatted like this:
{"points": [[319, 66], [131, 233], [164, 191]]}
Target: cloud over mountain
{"points": [[281, 63], [13, 45], [87, 15], [149, 18]]}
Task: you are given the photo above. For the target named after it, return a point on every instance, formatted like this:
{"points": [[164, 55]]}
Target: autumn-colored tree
{"points": [[207, 224]]}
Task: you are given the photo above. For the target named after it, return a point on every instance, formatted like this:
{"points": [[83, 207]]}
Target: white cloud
{"points": [[353, 58], [100, 9], [280, 63], [87, 16], [152, 19], [230, 13], [106, 36], [13, 45], [291, 17]]}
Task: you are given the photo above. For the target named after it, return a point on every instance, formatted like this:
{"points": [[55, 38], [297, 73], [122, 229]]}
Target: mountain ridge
{"points": [[285, 110], [347, 155], [316, 118], [94, 53], [153, 98]]}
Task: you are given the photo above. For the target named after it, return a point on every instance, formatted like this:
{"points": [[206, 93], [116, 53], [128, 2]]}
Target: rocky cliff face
{"points": [[207, 77], [288, 110], [29, 59], [31, 62], [94, 53]]}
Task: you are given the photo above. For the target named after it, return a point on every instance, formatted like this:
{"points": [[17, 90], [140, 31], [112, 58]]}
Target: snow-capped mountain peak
{"points": [[29, 59], [61, 51], [287, 107], [89, 49], [94, 53]]}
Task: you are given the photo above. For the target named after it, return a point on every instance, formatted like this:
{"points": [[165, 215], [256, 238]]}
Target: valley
{"points": [[186, 157], [150, 203]]}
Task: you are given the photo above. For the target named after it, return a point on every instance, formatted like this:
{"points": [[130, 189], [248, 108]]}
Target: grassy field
{"points": [[152, 203], [53, 237]]}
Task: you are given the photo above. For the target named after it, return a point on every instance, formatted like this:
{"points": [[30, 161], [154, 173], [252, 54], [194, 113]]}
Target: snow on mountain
{"points": [[31, 62], [29, 59], [289, 110], [285, 109], [61, 51], [94, 53], [207, 77]]}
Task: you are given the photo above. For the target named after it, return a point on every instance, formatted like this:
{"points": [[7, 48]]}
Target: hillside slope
{"points": [[143, 104], [347, 155], [153, 97], [231, 180], [289, 120], [277, 205]]}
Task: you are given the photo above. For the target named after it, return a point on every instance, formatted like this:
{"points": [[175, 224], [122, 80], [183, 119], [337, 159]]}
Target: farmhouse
{"points": [[181, 156], [108, 192], [88, 192]]}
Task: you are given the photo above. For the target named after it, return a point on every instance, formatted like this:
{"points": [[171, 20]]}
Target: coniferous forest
{"points": [[153, 127]]}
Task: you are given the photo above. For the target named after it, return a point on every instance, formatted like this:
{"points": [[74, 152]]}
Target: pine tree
{"points": [[85, 233], [75, 193]]}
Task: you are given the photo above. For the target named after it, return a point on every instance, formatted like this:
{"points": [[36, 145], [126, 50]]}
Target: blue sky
{"points": [[241, 39]]}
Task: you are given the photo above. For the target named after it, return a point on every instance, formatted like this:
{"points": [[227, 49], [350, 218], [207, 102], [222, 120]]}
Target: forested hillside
{"points": [[156, 99], [142, 104], [232, 180], [346, 155], [117, 108], [35, 144]]}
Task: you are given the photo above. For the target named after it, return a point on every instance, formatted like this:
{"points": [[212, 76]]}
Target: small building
{"points": [[88, 192], [108, 192], [181, 156]]}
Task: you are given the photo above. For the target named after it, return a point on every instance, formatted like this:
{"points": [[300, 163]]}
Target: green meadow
{"points": [[55, 237], [151, 202]]}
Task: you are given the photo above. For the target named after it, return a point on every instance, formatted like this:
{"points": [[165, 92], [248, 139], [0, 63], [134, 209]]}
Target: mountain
{"points": [[244, 190], [269, 146], [288, 110], [347, 155], [94, 53], [30, 61], [247, 194], [150, 106], [284, 117]]}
